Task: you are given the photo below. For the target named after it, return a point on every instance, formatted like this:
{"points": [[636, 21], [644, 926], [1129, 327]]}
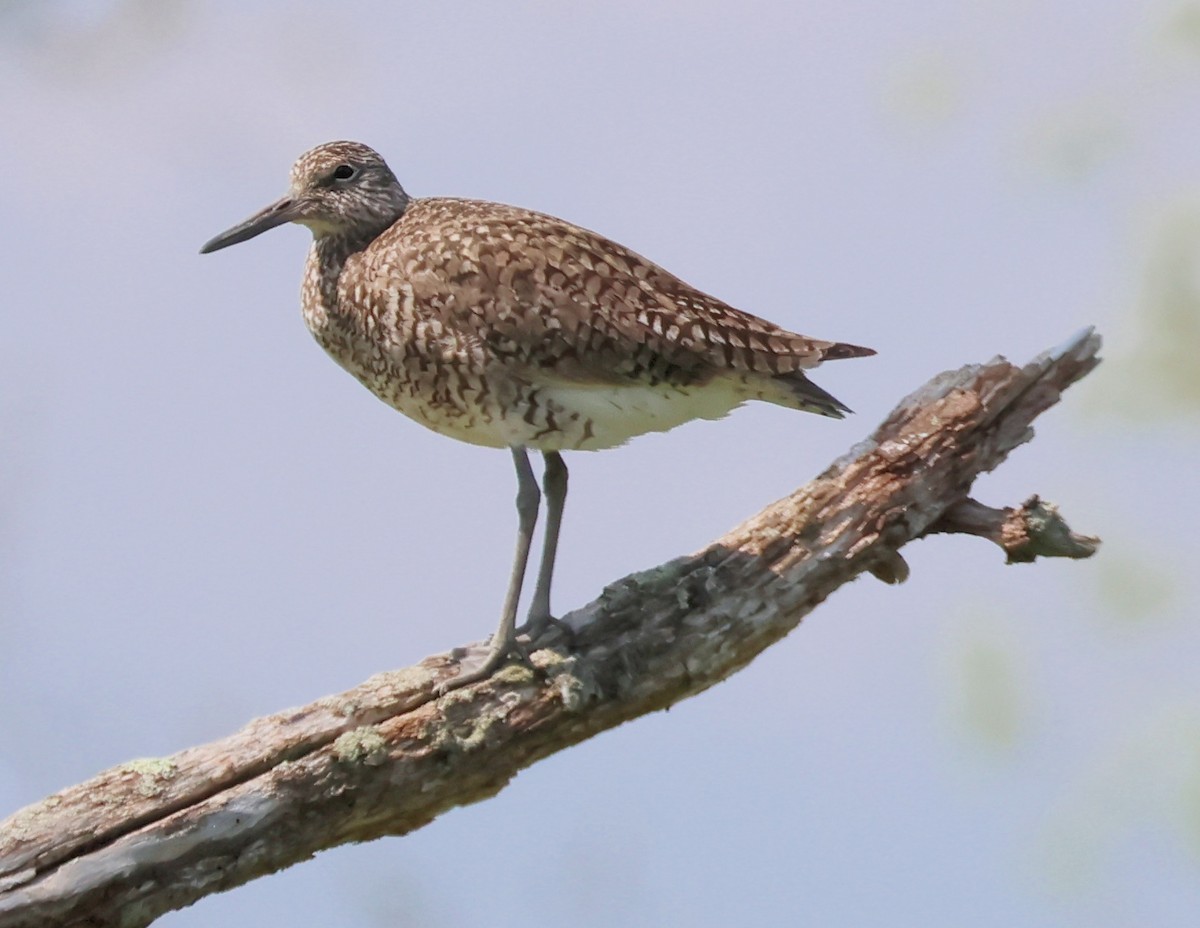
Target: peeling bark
{"points": [[385, 758]]}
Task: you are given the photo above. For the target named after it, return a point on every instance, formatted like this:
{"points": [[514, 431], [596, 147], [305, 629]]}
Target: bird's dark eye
{"points": [[344, 172]]}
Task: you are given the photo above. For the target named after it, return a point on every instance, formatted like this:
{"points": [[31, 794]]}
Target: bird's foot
{"points": [[535, 626], [497, 653]]}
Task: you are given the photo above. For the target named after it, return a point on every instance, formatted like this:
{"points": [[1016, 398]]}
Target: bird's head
{"points": [[337, 189]]}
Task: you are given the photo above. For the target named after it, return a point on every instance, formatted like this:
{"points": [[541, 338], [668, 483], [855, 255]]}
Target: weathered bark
{"points": [[385, 758]]}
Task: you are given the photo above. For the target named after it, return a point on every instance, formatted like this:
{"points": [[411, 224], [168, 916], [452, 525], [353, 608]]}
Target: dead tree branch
{"points": [[384, 758]]}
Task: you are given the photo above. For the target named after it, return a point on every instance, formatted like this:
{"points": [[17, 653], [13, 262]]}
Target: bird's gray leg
{"points": [[554, 483], [504, 641]]}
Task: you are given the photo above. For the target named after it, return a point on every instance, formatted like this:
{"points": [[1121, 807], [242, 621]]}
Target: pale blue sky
{"points": [[204, 520]]}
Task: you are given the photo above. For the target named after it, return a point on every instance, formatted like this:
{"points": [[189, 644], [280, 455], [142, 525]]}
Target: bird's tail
{"points": [[803, 394], [836, 351]]}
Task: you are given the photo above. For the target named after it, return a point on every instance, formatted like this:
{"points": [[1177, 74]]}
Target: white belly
{"points": [[572, 417], [609, 415]]}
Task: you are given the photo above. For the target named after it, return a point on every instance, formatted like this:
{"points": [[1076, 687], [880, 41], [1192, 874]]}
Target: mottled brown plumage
{"points": [[508, 328]]}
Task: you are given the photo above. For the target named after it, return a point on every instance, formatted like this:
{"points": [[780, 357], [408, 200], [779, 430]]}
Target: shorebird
{"points": [[511, 329]]}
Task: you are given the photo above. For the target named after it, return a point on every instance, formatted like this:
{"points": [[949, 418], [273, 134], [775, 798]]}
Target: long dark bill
{"points": [[274, 215]]}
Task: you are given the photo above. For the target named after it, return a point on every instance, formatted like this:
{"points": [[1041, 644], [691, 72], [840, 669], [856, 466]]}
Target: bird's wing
{"points": [[540, 290]]}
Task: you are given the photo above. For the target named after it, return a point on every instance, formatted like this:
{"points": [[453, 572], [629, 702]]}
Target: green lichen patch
{"points": [[513, 675], [153, 774], [363, 745]]}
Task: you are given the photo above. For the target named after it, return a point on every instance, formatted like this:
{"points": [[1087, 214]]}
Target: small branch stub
{"points": [[1029, 531]]}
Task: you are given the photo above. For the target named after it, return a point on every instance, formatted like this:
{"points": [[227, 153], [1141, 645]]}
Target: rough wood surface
{"points": [[384, 758]]}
